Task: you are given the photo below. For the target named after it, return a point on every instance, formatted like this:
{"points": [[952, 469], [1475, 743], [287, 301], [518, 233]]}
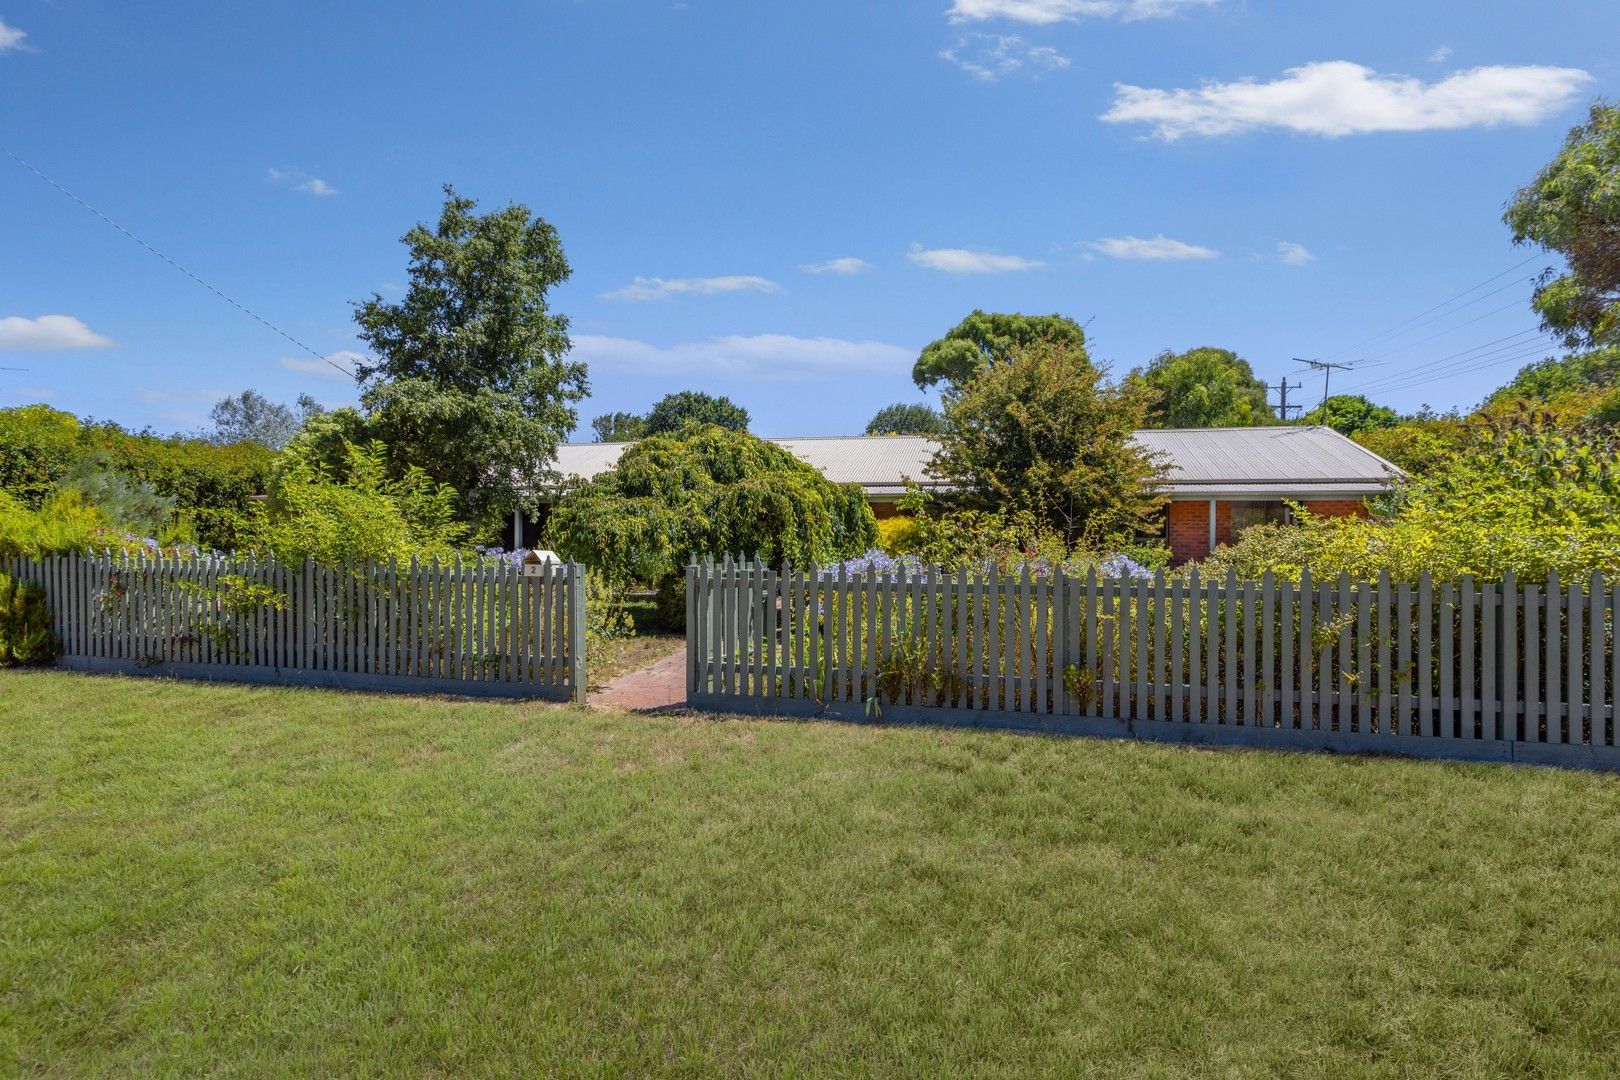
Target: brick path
{"points": [[661, 685]]}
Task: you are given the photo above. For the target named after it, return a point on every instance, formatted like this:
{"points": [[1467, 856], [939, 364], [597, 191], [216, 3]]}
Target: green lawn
{"points": [[208, 879]]}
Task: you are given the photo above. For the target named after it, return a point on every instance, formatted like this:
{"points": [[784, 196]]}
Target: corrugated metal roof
{"points": [[586, 460], [879, 463], [1291, 461], [1266, 455]]}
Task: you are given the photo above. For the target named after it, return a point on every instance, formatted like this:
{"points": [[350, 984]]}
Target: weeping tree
{"points": [[706, 492]]}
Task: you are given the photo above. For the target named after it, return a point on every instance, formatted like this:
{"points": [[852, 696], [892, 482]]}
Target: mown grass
{"points": [[208, 879]]}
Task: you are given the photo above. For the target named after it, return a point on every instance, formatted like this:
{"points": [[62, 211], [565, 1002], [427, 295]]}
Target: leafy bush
{"points": [[25, 625], [126, 504], [211, 487], [66, 523], [1544, 380], [1524, 497], [37, 447], [606, 617], [1419, 444], [892, 533], [366, 516], [214, 488], [703, 493]]}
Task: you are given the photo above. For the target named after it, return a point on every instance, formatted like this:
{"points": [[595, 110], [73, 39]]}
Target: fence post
{"points": [[576, 630]]}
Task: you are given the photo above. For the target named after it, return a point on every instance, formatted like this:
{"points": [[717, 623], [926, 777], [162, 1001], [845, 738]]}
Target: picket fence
{"points": [[479, 629], [1486, 671]]}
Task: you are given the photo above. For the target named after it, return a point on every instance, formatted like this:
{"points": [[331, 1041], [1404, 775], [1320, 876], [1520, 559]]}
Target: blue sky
{"points": [[783, 202]]}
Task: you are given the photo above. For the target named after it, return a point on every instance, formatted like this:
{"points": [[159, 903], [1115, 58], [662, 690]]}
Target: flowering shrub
{"points": [[1009, 564], [873, 563], [498, 554]]}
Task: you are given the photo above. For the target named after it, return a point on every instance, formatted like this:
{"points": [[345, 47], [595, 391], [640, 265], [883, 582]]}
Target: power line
{"points": [[249, 312], [1375, 361], [1405, 323], [1476, 364], [1509, 341]]}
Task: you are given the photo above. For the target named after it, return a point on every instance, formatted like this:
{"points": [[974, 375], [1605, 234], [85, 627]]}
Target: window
{"points": [[1246, 514]]}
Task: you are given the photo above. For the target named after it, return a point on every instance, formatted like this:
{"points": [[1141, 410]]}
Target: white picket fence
{"points": [[464, 628], [1474, 670]]}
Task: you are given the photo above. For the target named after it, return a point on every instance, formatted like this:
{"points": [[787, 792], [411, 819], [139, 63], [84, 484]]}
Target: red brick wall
{"points": [[881, 510], [1187, 529], [1187, 522], [1336, 507]]}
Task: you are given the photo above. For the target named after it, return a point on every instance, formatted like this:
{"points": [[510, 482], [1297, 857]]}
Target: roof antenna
{"points": [[1327, 370]]}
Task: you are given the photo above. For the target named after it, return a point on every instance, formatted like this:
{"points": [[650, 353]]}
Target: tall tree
{"points": [[985, 338], [906, 418], [472, 381], [252, 417], [1349, 414], [1043, 431], [1573, 207], [674, 411], [619, 427], [1204, 388]]}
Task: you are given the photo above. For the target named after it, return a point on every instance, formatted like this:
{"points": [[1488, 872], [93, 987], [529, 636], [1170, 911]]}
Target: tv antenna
{"points": [[1327, 369]]}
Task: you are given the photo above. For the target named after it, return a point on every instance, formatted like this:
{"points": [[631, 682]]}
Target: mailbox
{"points": [[539, 562]]}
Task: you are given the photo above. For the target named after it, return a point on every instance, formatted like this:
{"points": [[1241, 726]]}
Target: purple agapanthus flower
{"points": [[873, 563], [1123, 566], [500, 554]]}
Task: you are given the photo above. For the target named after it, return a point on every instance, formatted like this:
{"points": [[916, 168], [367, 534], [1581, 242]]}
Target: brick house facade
{"points": [[1194, 527], [1219, 480]]}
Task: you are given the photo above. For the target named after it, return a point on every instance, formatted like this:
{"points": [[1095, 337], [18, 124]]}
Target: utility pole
{"points": [[1327, 371], [1282, 398]]}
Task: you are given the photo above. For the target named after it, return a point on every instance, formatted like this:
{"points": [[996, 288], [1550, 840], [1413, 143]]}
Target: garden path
{"points": [[660, 685]]}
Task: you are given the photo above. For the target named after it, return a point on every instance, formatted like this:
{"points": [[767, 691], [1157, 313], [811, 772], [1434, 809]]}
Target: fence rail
{"points": [[482, 629], [1468, 669]]}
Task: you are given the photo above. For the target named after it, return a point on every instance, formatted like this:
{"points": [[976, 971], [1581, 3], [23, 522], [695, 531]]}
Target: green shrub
{"points": [[606, 617], [707, 492], [211, 488], [37, 447], [1525, 497], [66, 523], [367, 516], [25, 625]]}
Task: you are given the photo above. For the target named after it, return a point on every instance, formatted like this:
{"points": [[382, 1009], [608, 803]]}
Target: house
{"points": [[1221, 481]]}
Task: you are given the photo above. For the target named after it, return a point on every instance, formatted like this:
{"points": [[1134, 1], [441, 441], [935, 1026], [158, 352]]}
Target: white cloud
{"points": [[1294, 254], [989, 57], [657, 288], [761, 356], [1045, 12], [965, 261], [48, 332], [11, 38], [1155, 249], [310, 366], [299, 180], [1337, 98], [1440, 55], [846, 266]]}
